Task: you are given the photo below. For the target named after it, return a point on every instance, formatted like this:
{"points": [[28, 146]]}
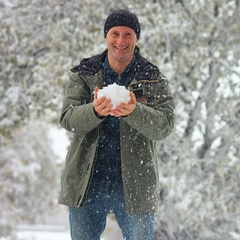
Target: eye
{"points": [[128, 34], [115, 33]]}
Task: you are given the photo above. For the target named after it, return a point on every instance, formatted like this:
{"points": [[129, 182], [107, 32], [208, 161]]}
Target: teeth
{"points": [[121, 48]]}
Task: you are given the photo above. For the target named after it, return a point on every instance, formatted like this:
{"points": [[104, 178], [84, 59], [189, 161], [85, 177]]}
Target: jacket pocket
{"points": [[144, 90]]}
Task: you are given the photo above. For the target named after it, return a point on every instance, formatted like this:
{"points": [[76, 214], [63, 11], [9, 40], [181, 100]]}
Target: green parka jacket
{"points": [[151, 121]]}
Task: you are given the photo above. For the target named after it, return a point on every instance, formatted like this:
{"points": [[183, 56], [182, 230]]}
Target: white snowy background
{"points": [[195, 44]]}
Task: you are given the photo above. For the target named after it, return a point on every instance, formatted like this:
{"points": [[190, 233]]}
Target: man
{"points": [[111, 165]]}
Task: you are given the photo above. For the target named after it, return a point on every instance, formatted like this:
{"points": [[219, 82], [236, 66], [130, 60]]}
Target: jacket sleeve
{"points": [[77, 114], [155, 118]]}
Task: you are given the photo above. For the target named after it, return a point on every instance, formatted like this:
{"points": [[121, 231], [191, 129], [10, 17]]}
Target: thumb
{"points": [[132, 98], [96, 89]]}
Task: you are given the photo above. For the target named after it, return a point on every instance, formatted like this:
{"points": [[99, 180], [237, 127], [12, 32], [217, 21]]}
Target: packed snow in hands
{"points": [[116, 93]]}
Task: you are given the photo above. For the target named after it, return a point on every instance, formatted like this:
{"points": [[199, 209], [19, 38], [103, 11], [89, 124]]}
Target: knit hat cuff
{"points": [[122, 18]]}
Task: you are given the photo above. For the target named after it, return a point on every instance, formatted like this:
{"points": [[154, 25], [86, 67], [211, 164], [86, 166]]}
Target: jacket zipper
{"points": [[119, 78]]}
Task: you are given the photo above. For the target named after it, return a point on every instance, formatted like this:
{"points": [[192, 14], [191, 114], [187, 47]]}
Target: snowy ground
{"points": [[61, 231], [42, 232], [52, 232], [54, 226], [57, 228]]}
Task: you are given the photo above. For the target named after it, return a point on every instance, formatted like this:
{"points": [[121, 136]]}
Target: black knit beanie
{"points": [[122, 18]]}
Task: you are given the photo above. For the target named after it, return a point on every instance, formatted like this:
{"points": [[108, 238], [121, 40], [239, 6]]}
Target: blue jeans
{"points": [[88, 222]]}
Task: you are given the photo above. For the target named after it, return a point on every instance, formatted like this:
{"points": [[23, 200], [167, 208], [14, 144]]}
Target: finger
{"points": [[103, 106], [96, 89], [132, 98], [121, 111], [124, 106], [104, 102]]}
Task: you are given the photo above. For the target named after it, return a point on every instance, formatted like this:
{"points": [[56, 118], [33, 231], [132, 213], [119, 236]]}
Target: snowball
{"points": [[116, 93]]}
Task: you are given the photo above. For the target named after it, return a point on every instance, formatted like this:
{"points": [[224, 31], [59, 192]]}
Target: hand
{"points": [[125, 109], [102, 106]]}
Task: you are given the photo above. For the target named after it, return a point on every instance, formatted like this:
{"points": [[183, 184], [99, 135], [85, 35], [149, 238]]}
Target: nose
{"points": [[121, 40]]}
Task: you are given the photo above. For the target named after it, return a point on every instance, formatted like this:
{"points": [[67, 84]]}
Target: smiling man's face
{"points": [[121, 42]]}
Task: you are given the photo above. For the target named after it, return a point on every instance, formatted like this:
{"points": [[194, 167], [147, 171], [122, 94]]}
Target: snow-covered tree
{"points": [[27, 176], [200, 161], [195, 44]]}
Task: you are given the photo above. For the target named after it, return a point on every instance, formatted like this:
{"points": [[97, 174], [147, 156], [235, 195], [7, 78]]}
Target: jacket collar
{"points": [[92, 65]]}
